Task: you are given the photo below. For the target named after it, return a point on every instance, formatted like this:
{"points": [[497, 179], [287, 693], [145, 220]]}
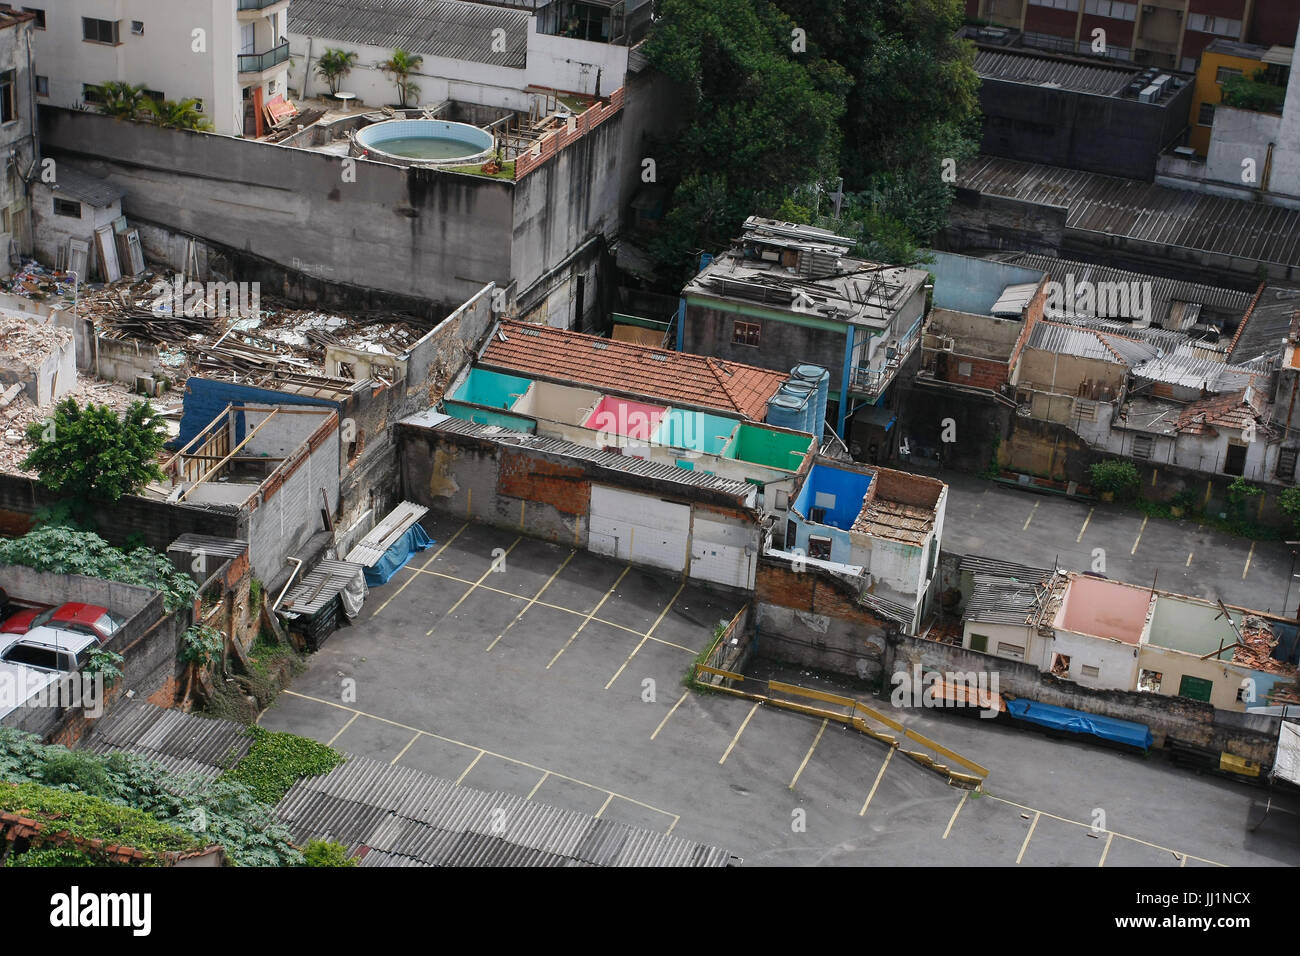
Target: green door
{"points": [[1197, 688]]}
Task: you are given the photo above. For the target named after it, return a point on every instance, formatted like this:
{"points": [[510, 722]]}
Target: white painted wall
{"points": [[1240, 135], [1117, 662], [51, 232], [1286, 157], [565, 64], [1018, 635], [170, 56]]}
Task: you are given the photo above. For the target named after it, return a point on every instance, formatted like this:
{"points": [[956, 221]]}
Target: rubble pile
{"points": [[34, 281]]}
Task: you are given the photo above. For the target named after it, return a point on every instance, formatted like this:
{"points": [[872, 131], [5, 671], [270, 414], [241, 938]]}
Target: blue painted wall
{"points": [[848, 487], [487, 416], [485, 387], [205, 399], [699, 431]]}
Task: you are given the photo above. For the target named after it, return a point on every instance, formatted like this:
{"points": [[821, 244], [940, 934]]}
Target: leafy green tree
{"points": [[120, 100], [333, 65], [760, 119], [323, 853], [1255, 93], [1289, 501], [92, 454], [178, 114], [400, 66]]}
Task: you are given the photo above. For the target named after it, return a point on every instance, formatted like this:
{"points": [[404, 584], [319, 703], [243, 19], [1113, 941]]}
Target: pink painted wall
{"points": [[619, 416], [1104, 609]]}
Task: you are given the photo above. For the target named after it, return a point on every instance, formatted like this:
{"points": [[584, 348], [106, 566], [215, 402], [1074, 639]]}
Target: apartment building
{"points": [[1166, 33], [19, 149], [229, 55]]}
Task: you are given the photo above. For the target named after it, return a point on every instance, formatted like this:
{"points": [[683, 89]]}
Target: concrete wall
{"points": [[1241, 135], [782, 344], [18, 138], [52, 231], [1286, 157], [979, 222], [1174, 665]]}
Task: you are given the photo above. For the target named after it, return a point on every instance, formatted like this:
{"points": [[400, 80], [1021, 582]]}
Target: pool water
{"points": [[426, 147]]}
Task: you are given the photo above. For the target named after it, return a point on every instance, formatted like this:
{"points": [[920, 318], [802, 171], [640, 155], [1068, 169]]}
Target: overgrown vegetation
{"points": [[92, 454], [128, 101], [324, 853], [1115, 476], [1253, 93], [1289, 503], [210, 811], [106, 663], [201, 645], [63, 550], [276, 760]]}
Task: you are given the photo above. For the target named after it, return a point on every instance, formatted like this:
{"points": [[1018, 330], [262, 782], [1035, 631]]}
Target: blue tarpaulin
{"points": [[1076, 722], [395, 557]]}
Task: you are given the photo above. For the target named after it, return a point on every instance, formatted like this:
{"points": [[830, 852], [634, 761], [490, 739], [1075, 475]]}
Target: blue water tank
{"points": [[787, 411], [818, 377], [807, 394]]}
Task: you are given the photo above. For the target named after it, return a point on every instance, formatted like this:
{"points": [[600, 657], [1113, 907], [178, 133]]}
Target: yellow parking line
{"points": [[472, 763], [960, 803], [743, 725], [587, 620], [1105, 852], [330, 743], [525, 608], [461, 600], [881, 774], [402, 752], [538, 786], [662, 615], [432, 558], [1031, 516], [1085, 525], [816, 740], [1246, 569], [671, 711], [1189, 559], [604, 806], [1028, 836], [1133, 550]]}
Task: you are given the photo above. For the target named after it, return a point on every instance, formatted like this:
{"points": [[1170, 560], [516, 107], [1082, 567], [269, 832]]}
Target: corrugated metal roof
{"points": [[1185, 368], [1066, 340], [1018, 66], [605, 459], [998, 599], [1145, 212], [978, 563], [1260, 337], [1013, 299], [78, 185], [445, 28], [183, 743], [208, 545], [381, 537], [319, 587]]}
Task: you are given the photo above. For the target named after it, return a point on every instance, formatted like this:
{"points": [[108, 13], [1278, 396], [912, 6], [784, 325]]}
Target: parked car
{"points": [[18, 684], [82, 618], [49, 649]]}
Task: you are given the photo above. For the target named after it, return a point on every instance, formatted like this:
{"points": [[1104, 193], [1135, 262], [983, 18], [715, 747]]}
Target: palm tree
{"points": [[333, 65], [178, 114], [400, 66], [120, 100]]}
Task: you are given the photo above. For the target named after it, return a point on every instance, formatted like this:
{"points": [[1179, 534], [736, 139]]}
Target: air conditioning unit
{"points": [[1148, 9], [947, 344]]}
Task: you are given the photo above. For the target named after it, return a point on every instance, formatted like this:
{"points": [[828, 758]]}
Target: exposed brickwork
{"points": [[811, 590], [563, 487], [984, 373], [552, 143]]}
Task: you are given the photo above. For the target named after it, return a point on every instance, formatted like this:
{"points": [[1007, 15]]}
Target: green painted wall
{"points": [[763, 446]]}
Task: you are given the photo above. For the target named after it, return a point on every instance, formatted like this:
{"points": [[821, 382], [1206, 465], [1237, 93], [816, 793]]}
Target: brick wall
{"points": [[552, 143], [984, 373], [564, 487]]}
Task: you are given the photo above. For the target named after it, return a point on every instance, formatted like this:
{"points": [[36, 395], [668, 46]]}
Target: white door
{"points": [[718, 552], [639, 528]]}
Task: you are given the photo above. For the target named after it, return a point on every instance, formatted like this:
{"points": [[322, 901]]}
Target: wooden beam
{"points": [[231, 454], [203, 431]]}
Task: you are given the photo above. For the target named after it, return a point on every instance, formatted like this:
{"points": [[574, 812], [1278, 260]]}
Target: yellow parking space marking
{"points": [[1106, 851], [674, 817], [1246, 569], [1189, 559], [587, 620], [330, 742], [1088, 826], [1184, 863], [538, 786], [671, 711], [563, 610], [461, 600], [432, 558], [472, 764], [648, 634], [888, 757], [960, 803], [743, 725], [402, 753], [1085, 525], [1145, 519], [816, 740], [1028, 836], [524, 609], [604, 806], [1031, 516]]}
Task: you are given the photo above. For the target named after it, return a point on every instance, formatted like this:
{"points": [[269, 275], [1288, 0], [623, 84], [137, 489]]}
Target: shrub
{"points": [[323, 853], [1289, 502], [276, 760], [93, 454], [201, 644], [1116, 476]]}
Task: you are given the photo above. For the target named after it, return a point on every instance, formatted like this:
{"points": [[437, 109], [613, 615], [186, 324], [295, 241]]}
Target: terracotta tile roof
{"points": [[677, 378], [1232, 410]]}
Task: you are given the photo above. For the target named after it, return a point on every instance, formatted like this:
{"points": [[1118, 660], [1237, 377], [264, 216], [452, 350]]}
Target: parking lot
{"points": [[510, 664]]}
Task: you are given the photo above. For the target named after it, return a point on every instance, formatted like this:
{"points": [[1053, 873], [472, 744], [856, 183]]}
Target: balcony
{"points": [[255, 9], [253, 64], [870, 382]]}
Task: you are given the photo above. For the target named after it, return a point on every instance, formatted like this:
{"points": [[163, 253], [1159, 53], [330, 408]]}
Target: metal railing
{"points": [[257, 4], [873, 381], [257, 62]]}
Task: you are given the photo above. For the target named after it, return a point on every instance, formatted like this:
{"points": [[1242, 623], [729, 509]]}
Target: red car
{"points": [[88, 619]]}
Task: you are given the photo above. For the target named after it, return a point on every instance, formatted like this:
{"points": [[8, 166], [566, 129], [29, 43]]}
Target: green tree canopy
{"points": [[92, 454]]}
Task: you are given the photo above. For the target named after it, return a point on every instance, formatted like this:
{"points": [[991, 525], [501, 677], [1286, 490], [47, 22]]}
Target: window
{"points": [[1142, 446], [33, 655], [1219, 26], [1071, 5], [42, 85], [99, 31], [745, 333], [1195, 688], [1235, 462], [198, 106], [156, 95], [67, 207], [1286, 464], [819, 547], [39, 22], [8, 103], [1188, 64], [137, 28], [90, 93], [1224, 73], [1206, 116], [1014, 651], [1060, 665], [979, 642], [1112, 8], [1149, 681], [964, 369], [270, 87], [1089, 671]]}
